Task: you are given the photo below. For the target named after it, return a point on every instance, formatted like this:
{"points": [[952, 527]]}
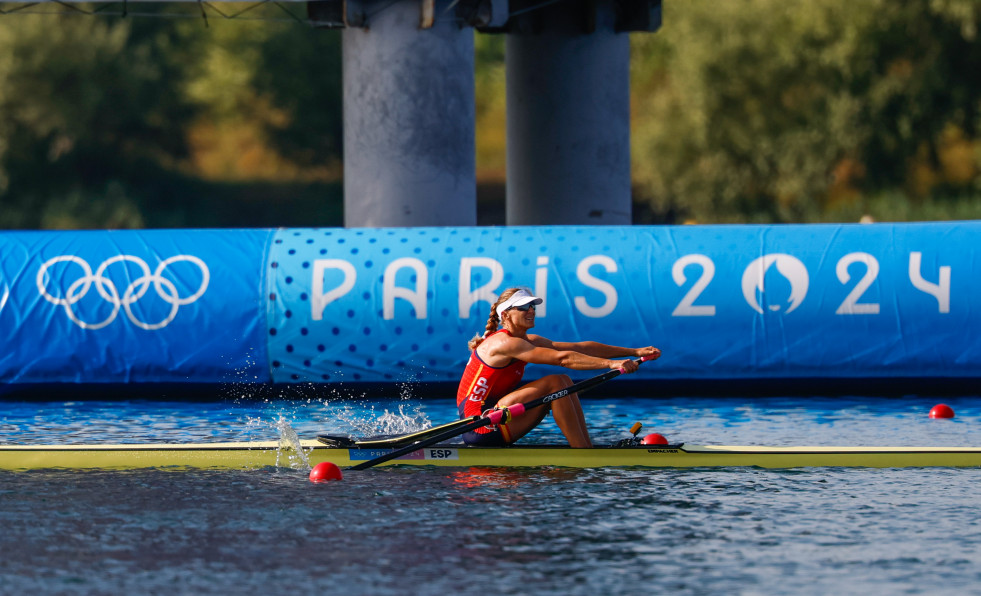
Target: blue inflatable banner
{"points": [[722, 302], [875, 301], [118, 307]]}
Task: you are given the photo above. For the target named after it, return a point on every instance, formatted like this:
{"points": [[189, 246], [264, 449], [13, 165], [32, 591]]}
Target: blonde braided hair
{"points": [[493, 321]]}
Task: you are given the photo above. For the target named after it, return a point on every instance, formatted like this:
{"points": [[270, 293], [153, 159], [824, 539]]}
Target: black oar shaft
{"points": [[494, 418]]}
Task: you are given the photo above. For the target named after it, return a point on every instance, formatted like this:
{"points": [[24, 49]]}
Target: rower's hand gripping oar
{"points": [[501, 416]]}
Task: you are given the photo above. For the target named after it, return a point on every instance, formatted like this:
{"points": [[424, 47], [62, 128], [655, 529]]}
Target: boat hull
{"points": [[249, 455]]}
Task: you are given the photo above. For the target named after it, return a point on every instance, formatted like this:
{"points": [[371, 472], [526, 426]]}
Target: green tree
{"points": [[489, 80], [108, 122], [85, 103], [299, 69], [764, 110], [282, 79]]}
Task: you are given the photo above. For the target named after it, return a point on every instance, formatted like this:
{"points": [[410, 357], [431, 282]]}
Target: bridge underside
{"points": [[409, 106]]}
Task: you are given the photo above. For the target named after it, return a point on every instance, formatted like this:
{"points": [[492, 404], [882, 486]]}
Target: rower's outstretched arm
{"points": [[596, 349]]}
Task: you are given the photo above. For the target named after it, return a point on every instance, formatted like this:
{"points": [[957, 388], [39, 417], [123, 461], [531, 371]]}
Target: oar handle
{"points": [[640, 360], [505, 414]]}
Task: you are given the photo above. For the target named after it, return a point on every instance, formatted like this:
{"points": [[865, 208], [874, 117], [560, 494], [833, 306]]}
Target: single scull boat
{"points": [[250, 455]]}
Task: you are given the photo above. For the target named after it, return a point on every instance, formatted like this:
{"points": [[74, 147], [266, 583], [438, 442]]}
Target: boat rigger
{"points": [[251, 455]]}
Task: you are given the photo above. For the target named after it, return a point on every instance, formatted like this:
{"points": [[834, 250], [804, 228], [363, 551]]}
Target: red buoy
{"points": [[325, 471], [654, 439], [941, 411]]}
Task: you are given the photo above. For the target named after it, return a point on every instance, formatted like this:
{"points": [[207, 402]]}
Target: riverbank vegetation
{"points": [[742, 111]]}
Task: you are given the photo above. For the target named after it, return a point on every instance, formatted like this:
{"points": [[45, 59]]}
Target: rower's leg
{"points": [[576, 423], [522, 425], [567, 411]]}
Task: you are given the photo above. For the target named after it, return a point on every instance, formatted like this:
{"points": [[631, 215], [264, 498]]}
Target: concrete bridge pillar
{"points": [[568, 116], [409, 152]]}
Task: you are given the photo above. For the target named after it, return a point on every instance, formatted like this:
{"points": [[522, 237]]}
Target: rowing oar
{"points": [[496, 416]]}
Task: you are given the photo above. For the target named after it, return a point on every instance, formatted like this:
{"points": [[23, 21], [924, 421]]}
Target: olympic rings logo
{"points": [[165, 288]]}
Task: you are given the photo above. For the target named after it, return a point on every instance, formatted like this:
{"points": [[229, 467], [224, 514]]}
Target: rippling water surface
{"points": [[543, 531]]}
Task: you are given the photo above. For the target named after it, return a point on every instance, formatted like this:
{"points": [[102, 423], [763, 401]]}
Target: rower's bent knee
{"points": [[557, 382]]}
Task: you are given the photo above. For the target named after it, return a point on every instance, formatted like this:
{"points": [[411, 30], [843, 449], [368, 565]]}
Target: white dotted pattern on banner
{"points": [[353, 341]]}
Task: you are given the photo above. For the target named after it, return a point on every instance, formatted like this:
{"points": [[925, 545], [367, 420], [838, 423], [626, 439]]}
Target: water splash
{"points": [[409, 418], [290, 450], [363, 420]]}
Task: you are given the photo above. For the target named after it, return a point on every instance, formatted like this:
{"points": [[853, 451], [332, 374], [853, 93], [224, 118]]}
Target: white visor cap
{"points": [[519, 298]]}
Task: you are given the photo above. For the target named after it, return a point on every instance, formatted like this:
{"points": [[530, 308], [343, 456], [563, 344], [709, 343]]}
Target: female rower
{"points": [[497, 362]]}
